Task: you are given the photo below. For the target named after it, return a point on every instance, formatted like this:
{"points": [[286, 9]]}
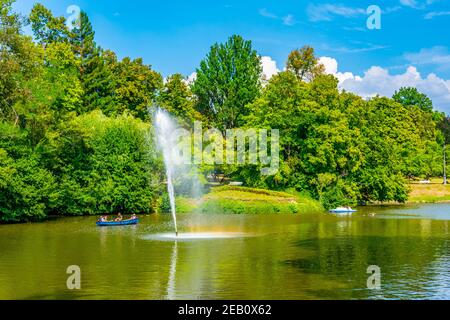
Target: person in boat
{"points": [[102, 219], [119, 217], [133, 216]]}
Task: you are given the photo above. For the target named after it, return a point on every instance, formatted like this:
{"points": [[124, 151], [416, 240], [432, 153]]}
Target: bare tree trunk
{"points": [[16, 121]]}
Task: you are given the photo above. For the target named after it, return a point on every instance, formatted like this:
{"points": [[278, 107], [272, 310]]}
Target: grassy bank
{"points": [[240, 200], [433, 192]]}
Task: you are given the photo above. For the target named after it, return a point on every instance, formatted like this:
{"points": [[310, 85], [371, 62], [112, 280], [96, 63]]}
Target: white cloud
{"points": [[437, 56], [331, 67], [191, 78], [364, 48], [287, 20], [263, 12], [409, 3], [326, 12], [269, 67], [330, 64], [433, 14], [392, 9], [417, 4], [379, 81]]}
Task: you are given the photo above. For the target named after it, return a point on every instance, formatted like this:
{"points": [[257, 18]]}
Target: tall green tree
{"points": [[46, 27], [409, 96], [107, 164], [444, 127], [99, 82], [227, 80], [176, 97], [304, 64], [82, 39], [52, 95], [137, 86], [28, 191], [19, 58], [338, 147], [95, 67]]}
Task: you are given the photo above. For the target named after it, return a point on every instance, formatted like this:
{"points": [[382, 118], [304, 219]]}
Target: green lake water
{"points": [[264, 257]]}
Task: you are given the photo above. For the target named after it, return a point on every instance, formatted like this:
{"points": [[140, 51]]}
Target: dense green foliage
{"points": [[177, 98], [341, 148], [227, 80], [412, 97], [242, 200], [75, 132], [304, 64], [59, 152]]}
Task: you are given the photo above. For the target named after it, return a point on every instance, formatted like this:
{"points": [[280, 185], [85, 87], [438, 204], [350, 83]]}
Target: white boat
{"points": [[343, 210]]}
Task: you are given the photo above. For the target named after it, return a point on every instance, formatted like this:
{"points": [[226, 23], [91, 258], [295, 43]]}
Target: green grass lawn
{"points": [[433, 192], [241, 200]]}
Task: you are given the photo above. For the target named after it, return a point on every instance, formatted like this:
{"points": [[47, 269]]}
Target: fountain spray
{"points": [[165, 127]]}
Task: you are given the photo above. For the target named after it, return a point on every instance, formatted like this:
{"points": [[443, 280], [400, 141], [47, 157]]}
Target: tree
{"points": [[409, 96], [444, 128], [61, 72], [176, 97], [82, 39], [52, 94], [341, 149], [99, 82], [18, 61], [107, 165], [319, 149], [95, 68], [46, 27], [304, 64], [75, 137], [27, 191], [137, 86], [227, 80]]}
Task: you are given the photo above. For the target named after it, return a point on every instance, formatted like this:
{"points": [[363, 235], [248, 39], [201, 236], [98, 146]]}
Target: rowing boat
{"points": [[117, 223]]}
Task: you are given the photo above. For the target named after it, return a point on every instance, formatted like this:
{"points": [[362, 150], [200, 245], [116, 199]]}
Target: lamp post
{"points": [[445, 171]]}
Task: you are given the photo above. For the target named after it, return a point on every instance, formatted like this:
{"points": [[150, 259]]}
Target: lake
{"points": [[259, 257]]}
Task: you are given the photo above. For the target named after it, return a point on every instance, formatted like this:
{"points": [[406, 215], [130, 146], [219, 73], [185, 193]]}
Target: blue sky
{"points": [[411, 48]]}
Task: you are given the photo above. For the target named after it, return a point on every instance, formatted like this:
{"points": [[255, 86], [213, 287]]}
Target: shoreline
{"points": [[243, 200], [56, 217]]}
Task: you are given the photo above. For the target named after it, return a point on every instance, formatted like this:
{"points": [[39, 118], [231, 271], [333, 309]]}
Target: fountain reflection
{"points": [[195, 236], [171, 285]]}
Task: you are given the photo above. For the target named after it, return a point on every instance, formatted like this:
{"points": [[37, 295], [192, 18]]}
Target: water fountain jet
{"points": [[165, 127], [168, 141]]}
